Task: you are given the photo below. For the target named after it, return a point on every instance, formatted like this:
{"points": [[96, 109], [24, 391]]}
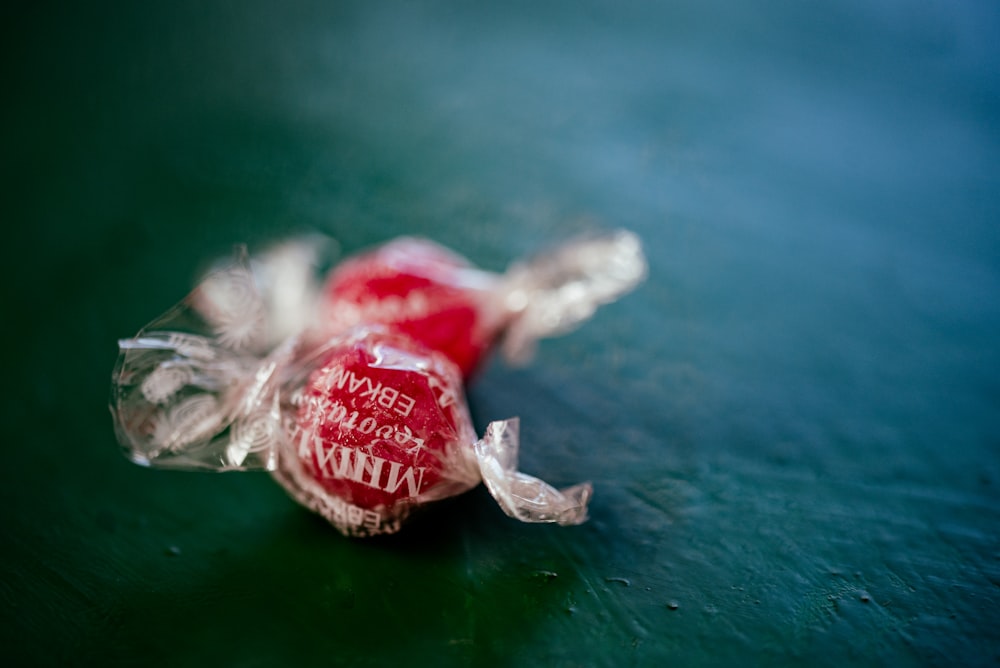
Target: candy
{"points": [[380, 428], [353, 400], [420, 289]]}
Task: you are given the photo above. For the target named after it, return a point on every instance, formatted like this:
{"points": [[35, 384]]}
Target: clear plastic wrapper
{"points": [[430, 293], [361, 417], [378, 427]]}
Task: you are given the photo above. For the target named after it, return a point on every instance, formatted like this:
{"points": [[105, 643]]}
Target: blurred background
{"points": [[792, 427]]}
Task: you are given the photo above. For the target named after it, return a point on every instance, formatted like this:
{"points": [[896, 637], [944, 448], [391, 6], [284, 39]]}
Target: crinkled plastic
{"points": [[432, 294], [378, 427], [361, 418]]}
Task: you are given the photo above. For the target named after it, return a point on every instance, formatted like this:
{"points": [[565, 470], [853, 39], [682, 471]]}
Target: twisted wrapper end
{"points": [[556, 291], [520, 495], [195, 388]]}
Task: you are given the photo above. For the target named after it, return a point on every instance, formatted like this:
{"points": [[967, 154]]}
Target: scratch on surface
{"points": [[612, 606]]}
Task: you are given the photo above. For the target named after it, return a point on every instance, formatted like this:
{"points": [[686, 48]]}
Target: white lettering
{"points": [[344, 469], [371, 392], [323, 456], [343, 513], [352, 464], [388, 397], [395, 482], [446, 399], [303, 436], [406, 404], [336, 375], [362, 386]]}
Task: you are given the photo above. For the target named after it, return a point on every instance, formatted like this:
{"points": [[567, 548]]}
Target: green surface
{"points": [[793, 428]]}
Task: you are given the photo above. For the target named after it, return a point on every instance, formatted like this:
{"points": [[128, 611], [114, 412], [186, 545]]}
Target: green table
{"points": [[792, 428]]}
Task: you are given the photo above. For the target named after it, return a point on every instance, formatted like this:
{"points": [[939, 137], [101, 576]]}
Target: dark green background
{"points": [[792, 428]]}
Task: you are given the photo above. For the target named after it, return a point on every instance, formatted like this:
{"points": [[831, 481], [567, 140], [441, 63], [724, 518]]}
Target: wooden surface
{"points": [[792, 427]]}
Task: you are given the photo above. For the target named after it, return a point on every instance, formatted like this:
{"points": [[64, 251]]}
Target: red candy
{"points": [[355, 404], [420, 289], [381, 427]]}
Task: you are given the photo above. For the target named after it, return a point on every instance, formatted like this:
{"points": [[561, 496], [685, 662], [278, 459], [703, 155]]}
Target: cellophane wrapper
{"points": [[364, 423], [432, 294]]}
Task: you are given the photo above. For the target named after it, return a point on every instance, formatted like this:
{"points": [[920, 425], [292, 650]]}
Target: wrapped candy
{"points": [[378, 427], [359, 410], [420, 289], [430, 293]]}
